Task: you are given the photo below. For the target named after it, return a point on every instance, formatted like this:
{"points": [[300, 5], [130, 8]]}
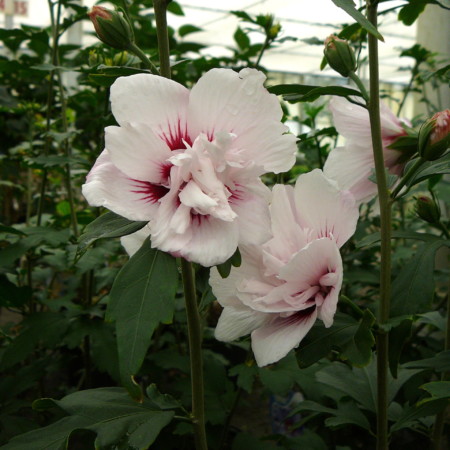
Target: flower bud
{"points": [[434, 136], [112, 27], [427, 209], [339, 55]]}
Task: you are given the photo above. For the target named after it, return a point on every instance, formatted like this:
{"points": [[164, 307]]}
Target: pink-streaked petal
{"points": [[158, 102], [198, 238], [250, 203], [235, 322], [243, 106], [133, 242], [352, 121], [351, 167], [107, 186], [324, 208], [213, 241], [138, 152], [276, 339], [308, 266]]}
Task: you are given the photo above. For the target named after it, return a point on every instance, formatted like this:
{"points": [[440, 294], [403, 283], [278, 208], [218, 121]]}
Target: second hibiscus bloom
{"points": [[189, 162]]}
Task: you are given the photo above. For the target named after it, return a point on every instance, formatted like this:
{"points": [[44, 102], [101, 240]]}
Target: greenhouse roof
{"points": [[300, 19]]}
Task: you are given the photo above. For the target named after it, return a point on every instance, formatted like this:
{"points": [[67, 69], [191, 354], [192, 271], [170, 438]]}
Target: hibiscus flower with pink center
{"points": [[189, 162], [283, 286]]}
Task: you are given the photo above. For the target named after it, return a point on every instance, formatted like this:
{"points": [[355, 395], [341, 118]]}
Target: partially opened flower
{"points": [[189, 162], [283, 286], [353, 164]]}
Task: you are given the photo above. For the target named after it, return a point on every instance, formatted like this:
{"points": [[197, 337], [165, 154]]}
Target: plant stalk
{"points": [[385, 220], [133, 48], [187, 270], [195, 353], [160, 8], [408, 175], [360, 84]]}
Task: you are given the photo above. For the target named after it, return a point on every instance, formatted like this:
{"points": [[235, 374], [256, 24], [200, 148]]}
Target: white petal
{"points": [[213, 241], [194, 197], [308, 266], [275, 340], [235, 322], [250, 203], [351, 167], [238, 103], [324, 208], [158, 102], [107, 186], [133, 242], [138, 152]]}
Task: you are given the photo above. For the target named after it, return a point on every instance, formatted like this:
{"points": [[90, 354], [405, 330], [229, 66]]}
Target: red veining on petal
{"points": [[165, 172], [150, 193], [176, 136], [236, 195], [198, 219], [299, 316]]}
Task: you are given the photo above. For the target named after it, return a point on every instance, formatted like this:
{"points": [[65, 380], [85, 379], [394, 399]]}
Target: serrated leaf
{"points": [[437, 389], [241, 38], [349, 7], [161, 401], [108, 225], [142, 297], [410, 12], [440, 166]]}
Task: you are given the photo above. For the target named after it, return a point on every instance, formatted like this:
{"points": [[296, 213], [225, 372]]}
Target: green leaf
{"points": [[245, 375], [52, 437], [410, 415], [294, 93], [161, 401], [241, 38], [410, 12], [340, 336], [12, 295], [184, 30], [431, 168], [42, 327], [142, 297], [280, 377], [412, 290], [437, 389], [397, 338], [175, 8], [373, 238], [359, 348], [109, 412], [348, 413], [349, 7], [439, 362], [108, 225]]}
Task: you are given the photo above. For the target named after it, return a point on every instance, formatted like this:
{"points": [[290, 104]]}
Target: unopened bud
{"points": [[112, 27], [274, 30], [339, 55], [427, 209], [94, 58], [434, 136]]}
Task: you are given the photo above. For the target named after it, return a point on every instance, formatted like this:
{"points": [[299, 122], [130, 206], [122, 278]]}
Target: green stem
{"points": [[408, 175], [160, 7], [195, 352], [187, 270], [385, 221], [360, 84], [55, 42], [133, 48], [261, 53]]}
